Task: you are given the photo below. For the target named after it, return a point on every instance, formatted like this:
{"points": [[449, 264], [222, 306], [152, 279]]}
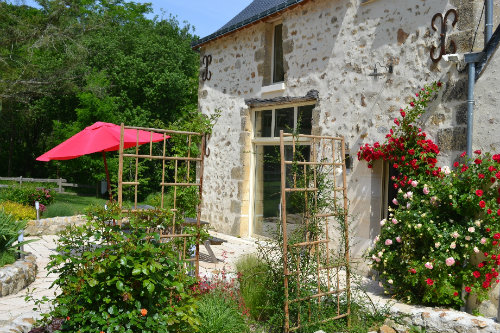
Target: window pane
{"points": [[263, 122], [283, 121], [304, 119], [278, 70]]}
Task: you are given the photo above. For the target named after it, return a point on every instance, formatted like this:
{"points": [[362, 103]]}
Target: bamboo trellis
{"points": [[185, 160], [322, 286]]}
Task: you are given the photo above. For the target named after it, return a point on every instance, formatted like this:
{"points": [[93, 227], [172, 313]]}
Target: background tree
{"points": [[74, 62]]}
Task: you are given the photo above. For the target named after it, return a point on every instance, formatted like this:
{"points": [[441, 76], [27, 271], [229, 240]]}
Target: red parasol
{"points": [[99, 137]]}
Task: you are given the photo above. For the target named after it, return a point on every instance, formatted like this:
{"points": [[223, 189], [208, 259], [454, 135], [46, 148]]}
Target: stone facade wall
{"points": [[53, 225], [332, 47], [18, 275]]}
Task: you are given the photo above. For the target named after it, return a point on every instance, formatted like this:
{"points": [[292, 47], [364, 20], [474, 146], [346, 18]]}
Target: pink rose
{"points": [[450, 261], [388, 242], [398, 239], [394, 221], [414, 183], [426, 190], [429, 265], [395, 201]]}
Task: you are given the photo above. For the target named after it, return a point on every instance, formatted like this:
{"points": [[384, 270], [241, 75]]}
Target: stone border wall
{"points": [[18, 275], [53, 225]]}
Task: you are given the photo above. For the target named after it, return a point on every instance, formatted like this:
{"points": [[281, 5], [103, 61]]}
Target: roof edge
{"points": [[312, 95], [226, 31]]}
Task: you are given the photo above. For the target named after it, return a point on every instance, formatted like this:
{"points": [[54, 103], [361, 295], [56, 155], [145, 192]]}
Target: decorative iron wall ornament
{"points": [[444, 27], [207, 74]]}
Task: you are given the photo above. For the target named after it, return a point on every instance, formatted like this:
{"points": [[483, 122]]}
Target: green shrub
{"points": [[120, 281], [253, 275], [220, 313], [441, 237], [60, 209], [27, 195], [18, 211]]}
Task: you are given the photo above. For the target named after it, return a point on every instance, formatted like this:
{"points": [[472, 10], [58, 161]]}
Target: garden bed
{"points": [[18, 275]]}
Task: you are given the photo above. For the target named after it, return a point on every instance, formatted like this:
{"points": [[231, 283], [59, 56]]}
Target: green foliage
{"points": [[7, 258], [9, 232], [27, 194], [442, 235], [252, 276], [120, 281], [100, 60], [220, 314], [18, 211]]}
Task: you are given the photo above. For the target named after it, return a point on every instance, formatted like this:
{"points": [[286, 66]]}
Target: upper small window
{"points": [[268, 123], [278, 69]]}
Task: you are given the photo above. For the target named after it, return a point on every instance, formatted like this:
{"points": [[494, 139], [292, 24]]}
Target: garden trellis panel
{"points": [[183, 170], [316, 266]]}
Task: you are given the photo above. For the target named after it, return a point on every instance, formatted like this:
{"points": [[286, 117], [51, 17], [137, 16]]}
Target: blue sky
{"points": [[205, 15]]}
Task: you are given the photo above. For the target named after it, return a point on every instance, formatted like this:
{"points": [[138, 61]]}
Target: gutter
{"points": [[476, 63], [254, 19]]}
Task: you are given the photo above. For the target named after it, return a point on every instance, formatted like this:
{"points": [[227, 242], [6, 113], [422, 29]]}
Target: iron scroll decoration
{"points": [[207, 74], [444, 24]]}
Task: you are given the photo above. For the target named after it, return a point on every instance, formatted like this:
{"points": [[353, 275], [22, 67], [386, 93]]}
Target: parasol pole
{"points": [[107, 176]]}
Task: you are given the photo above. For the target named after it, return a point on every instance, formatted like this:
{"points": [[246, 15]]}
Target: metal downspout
{"points": [[470, 106], [488, 24], [488, 32]]}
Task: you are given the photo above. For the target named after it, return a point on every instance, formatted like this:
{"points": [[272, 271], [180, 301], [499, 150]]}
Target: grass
{"points": [[220, 314], [69, 205]]}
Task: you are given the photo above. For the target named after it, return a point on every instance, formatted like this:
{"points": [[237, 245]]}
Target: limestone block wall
{"points": [[487, 108], [332, 47]]}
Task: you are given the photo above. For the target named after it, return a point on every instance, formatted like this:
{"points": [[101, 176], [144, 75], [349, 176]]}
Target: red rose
{"points": [[455, 294], [463, 154], [479, 193], [481, 176], [396, 121], [488, 229], [476, 274], [456, 164], [488, 211], [496, 236], [467, 289], [492, 168], [412, 104], [413, 270], [480, 265], [430, 282], [478, 152], [486, 285], [482, 204], [497, 175], [439, 84], [478, 161], [498, 212]]}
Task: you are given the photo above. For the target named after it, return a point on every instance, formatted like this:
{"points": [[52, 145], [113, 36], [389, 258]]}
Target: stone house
{"points": [[279, 61]]}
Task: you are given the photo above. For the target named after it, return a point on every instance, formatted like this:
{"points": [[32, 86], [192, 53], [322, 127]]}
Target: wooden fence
{"points": [[61, 183]]}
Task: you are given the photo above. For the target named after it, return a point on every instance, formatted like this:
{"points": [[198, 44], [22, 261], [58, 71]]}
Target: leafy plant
{"points": [[10, 229], [18, 211], [120, 280], [442, 235]]}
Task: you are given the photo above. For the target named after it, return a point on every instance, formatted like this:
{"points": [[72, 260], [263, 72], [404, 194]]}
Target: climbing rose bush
{"points": [[441, 239]]}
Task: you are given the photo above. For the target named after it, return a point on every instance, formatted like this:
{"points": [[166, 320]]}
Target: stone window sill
{"points": [[273, 88]]}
